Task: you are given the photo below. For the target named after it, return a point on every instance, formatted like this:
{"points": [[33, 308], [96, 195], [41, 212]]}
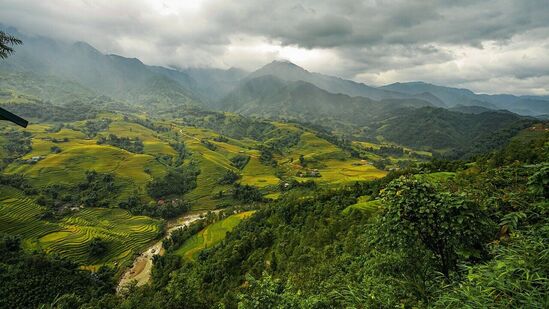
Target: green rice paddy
{"points": [[210, 236], [70, 237]]}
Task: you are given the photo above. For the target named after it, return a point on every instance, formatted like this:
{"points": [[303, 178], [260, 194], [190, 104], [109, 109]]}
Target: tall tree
{"points": [[6, 44]]}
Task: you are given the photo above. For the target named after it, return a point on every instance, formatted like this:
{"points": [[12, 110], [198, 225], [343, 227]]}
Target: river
{"points": [[142, 266]]}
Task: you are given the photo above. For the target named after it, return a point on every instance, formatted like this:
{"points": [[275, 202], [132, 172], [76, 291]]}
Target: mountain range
{"points": [[63, 73], [130, 80]]}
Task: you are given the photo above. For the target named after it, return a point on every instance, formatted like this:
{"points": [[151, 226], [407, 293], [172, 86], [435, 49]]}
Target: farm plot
{"points": [[70, 237], [210, 236], [19, 215], [123, 233]]}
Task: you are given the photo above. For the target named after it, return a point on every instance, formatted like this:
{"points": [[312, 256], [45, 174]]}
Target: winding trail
{"points": [[142, 266]]}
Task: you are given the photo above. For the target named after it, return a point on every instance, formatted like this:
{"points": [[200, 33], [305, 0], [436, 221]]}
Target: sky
{"points": [[486, 46]]}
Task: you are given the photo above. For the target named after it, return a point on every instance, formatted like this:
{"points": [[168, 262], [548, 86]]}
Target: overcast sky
{"points": [[487, 46]]}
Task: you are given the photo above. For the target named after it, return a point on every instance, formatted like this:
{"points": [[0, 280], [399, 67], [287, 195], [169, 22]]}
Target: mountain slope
{"points": [[271, 97], [290, 72], [529, 105], [118, 77], [461, 133], [213, 84]]}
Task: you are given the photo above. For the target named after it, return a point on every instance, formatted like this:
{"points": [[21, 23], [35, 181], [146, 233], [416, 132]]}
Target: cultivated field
{"points": [[70, 237], [210, 236], [125, 234]]}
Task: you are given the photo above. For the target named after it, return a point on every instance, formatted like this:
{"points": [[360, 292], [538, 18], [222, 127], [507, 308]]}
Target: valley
{"points": [[144, 186], [60, 156]]}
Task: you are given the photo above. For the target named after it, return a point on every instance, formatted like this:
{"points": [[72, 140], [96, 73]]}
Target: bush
{"points": [[450, 226], [97, 247], [177, 181], [228, 178]]}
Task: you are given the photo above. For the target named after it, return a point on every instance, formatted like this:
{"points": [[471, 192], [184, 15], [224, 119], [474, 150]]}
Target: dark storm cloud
{"points": [[459, 42]]}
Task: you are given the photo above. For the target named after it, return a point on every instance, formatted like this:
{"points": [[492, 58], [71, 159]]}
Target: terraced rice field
{"points": [[313, 147], [153, 145], [19, 216], [70, 165], [257, 174], [210, 236], [125, 235], [70, 237], [346, 171]]}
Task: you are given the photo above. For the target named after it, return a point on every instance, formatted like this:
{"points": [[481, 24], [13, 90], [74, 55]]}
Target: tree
{"points": [[302, 160], [267, 292], [6, 44], [98, 247], [448, 225]]}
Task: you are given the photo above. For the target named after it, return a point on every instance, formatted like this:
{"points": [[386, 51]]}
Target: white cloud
{"points": [[490, 46]]}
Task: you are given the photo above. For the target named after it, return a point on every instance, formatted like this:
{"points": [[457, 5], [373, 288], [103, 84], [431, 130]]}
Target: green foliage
{"points": [[240, 161], [44, 111], [517, 277], [95, 191], [208, 144], [55, 149], [177, 181], [98, 247], [228, 178], [31, 279], [18, 144], [7, 42], [132, 145], [464, 134], [234, 126], [182, 152], [92, 127], [164, 209], [266, 157], [539, 182], [19, 182], [450, 226], [269, 293], [246, 193]]}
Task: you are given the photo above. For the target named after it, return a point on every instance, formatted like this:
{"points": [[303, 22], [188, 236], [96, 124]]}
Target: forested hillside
{"points": [[438, 235]]}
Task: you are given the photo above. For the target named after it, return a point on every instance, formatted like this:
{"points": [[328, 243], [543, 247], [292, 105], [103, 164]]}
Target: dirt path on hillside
{"points": [[142, 266]]}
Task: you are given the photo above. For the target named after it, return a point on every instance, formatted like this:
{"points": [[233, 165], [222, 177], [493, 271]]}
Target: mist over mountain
{"points": [[268, 96], [289, 71], [130, 80], [529, 105]]}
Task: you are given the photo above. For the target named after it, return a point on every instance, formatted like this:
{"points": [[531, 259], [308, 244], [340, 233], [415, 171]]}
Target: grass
{"points": [[257, 174], [364, 204], [70, 237], [210, 236], [437, 177]]}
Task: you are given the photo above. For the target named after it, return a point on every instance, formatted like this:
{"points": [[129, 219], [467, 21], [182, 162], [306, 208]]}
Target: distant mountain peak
{"points": [[87, 47], [283, 64], [283, 61]]}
